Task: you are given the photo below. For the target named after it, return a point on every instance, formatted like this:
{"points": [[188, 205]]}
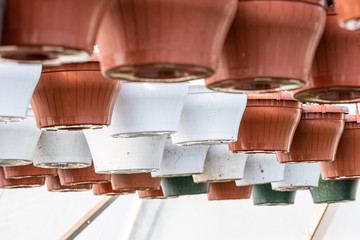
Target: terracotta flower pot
{"points": [[51, 32], [300, 176], [53, 185], [28, 171], [263, 195], [333, 191], [347, 159], [137, 181], [228, 191], [106, 189], [179, 186], [152, 194], [81, 176], [124, 155], [164, 47], [18, 141], [18, 82], [20, 183], [317, 135], [348, 14], [221, 165], [181, 160], [335, 69], [260, 169], [62, 149], [269, 123], [74, 96], [292, 30], [209, 117]]}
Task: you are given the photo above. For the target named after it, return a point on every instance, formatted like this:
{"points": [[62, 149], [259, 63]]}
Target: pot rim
{"points": [[280, 96], [321, 3], [73, 67], [324, 109]]}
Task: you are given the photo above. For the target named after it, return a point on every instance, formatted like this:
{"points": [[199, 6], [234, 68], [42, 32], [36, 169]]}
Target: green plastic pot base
{"points": [[263, 194], [293, 188], [179, 186]]}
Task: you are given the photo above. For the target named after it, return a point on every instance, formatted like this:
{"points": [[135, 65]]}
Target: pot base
{"points": [[159, 72], [141, 134], [11, 119], [73, 127], [353, 24], [71, 190], [14, 162], [127, 171], [62, 165], [272, 204], [86, 182], [330, 95], [293, 188], [205, 142], [23, 186], [260, 151]]}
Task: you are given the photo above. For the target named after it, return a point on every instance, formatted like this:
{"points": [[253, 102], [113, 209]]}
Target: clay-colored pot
{"points": [[20, 183], [348, 14], [106, 189], [268, 124], [53, 185], [180, 186], [335, 69], [291, 29], [137, 181], [28, 171], [74, 96], [228, 191], [51, 32], [263, 195], [81, 176], [152, 194], [317, 135]]}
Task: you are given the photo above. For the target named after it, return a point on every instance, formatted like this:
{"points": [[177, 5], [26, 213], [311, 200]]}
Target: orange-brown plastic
{"points": [[53, 185], [27, 171], [228, 191], [20, 183], [137, 181], [348, 10], [106, 189], [152, 194]]}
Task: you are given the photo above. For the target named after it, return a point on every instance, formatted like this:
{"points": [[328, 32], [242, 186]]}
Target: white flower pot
{"points": [[299, 176], [124, 155], [222, 165], [62, 149], [181, 160], [209, 117], [18, 141], [261, 169], [148, 109], [18, 82]]}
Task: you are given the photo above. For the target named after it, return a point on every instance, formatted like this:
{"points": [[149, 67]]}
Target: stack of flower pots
{"points": [[20, 183], [132, 182], [53, 185], [228, 191], [106, 189]]}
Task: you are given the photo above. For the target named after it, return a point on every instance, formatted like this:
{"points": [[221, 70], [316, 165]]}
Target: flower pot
{"points": [[228, 191], [334, 75], [62, 149], [53, 185], [181, 160], [20, 183], [292, 30], [221, 165], [348, 14], [209, 117], [18, 141], [347, 159], [269, 123], [137, 181], [152, 194], [18, 82], [164, 47], [28, 171], [50, 32], [317, 135], [144, 109], [301, 176], [85, 175], [74, 96], [260, 169], [179, 186], [334, 191], [263, 195], [106, 189]]}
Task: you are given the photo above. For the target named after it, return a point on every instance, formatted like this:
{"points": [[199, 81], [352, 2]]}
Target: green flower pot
{"points": [[332, 191], [178, 186], [263, 194]]}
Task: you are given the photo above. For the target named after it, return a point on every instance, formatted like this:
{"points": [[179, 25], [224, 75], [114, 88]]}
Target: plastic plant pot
{"points": [[106, 189], [334, 75], [301, 176], [137, 181], [209, 117], [164, 47], [53, 185], [124, 155], [73, 97], [20, 183], [85, 175], [262, 194], [147, 109], [348, 14], [317, 135], [152, 194], [292, 30], [222, 165], [18, 141], [62, 149], [28, 171], [180, 186], [334, 191], [50, 32], [228, 191], [18, 82], [269, 123], [181, 160], [261, 169]]}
